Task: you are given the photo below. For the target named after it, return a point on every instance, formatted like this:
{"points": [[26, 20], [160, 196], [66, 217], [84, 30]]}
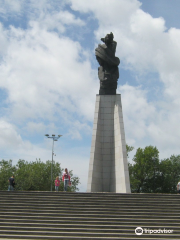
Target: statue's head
{"points": [[109, 38]]}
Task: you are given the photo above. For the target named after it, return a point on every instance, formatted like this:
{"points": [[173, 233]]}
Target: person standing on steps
{"points": [[66, 179], [57, 184], [178, 187], [11, 183]]}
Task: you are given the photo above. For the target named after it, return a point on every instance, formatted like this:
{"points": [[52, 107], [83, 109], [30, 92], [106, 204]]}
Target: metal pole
{"points": [[154, 176], [52, 163], [54, 138]]}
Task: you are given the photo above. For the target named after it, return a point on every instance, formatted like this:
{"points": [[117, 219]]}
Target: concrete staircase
{"points": [[60, 215]]}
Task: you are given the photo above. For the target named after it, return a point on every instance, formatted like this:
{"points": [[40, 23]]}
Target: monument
{"points": [[108, 166]]}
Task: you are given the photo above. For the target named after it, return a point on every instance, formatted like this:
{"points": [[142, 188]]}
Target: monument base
{"points": [[108, 166], [107, 92]]}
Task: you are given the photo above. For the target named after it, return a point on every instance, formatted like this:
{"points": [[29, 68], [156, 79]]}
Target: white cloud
{"points": [[138, 113], [45, 74], [7, 6], [78, 127], [56, 21], [143, 43], [11, 139], [138, 34], [39, 127], [147, 124], [3, 40], [8, 136]]}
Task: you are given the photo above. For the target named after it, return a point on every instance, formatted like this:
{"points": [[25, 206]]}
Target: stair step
{"points": [[62, 215]]}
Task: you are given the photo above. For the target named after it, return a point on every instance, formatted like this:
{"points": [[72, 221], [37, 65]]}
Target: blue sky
{"points": [[49, 82]]}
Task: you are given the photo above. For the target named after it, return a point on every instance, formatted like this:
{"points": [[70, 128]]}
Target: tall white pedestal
{"points": [[108, 166]]}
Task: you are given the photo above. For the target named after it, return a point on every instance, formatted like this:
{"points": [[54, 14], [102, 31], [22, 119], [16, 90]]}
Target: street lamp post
{"points": [[54, 138], [154, 159]]}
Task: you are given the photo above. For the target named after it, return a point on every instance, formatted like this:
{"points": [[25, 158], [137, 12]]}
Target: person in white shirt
{"points": [[66, 179], [178, 187]]}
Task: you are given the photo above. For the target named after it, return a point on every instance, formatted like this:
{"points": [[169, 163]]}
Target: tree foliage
{"points": [[129, 149], [148, 174], [33, 176], [142, 171], [169, 174], [6, 171]]}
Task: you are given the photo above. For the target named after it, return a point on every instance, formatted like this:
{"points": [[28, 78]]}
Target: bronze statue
{"points": [[108, 71]]}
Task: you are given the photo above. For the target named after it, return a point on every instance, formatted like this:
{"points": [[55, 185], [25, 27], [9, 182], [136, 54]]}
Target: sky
{"points": [[49, 81]]}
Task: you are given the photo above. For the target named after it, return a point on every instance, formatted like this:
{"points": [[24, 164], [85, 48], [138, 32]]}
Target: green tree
{"points": [[169, 174], [74, 182], [149, 174], [129, 149], [143, 170], [33, 176], [6, 171]]}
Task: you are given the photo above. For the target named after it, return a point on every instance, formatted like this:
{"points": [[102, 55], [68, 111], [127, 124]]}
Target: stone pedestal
{"points": [[108, 166]]}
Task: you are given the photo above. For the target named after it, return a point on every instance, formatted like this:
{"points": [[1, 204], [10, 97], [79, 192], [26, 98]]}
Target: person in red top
{"points": [[57, 184], [66, 179]]}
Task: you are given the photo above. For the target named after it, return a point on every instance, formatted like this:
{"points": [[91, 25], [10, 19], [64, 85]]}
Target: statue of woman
{"points": [[108, 71]]}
